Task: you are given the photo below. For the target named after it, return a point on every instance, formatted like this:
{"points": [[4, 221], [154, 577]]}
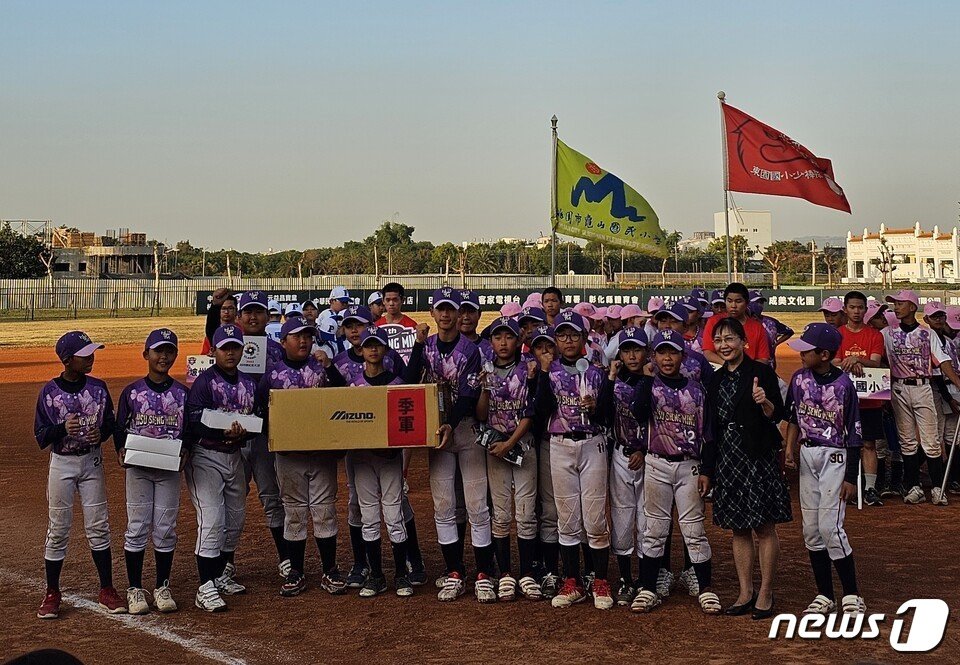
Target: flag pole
{"points": [[553, 206], [726, 194]]}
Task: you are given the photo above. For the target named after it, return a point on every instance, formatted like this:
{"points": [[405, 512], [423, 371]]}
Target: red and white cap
{"points": [[932, 307], [904, 295]]}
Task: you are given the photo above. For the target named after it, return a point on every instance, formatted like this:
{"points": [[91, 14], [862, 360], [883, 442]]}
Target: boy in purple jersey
{"points": [[215, 475], [506, 405], [824, 418], [453, 361], [74, 416], [627, 521], [378, 476], [694, 365], [307, 480], [672, 407], [777, 332], [566, 400], [154, 406]]}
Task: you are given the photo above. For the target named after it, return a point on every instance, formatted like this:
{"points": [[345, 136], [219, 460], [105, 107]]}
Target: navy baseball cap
{"points": [[160, 337], [228, 334], [75, 343], [693, 304], [570, 319], [532, 313], [756, 296], [817, 336], [294, 325], [446, 296], [669, 338], [700, 295], [375, 334], [631, 335], [542, 332], [252, 299], [677, 310], [357, 313], [470, 299], [504, 322], [717, 296]]}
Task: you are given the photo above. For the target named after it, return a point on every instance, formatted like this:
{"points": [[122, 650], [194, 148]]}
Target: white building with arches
{"points": [[919, 256]]}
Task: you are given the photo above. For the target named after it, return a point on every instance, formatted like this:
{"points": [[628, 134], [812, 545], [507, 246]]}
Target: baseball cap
{"points": [[717, 296], [228, 334], [654, 304], [374, 298], [76, 343], [534, 299], [953, 317], [293, 309], [891, 318], [817, 336], [295, 325], [933, 307], [160, 337], [327, 328], [700, 295], [584, 309], [677, 311], [569, 319], [692, 304], [613, 311], [374, 333], [832, 305], [542, 332], [669, 338], [906, 295], [274, 307], [599, 314], [873, 309], [446, 295], [630, 311], [504, 322], [511, 308], [470, 298], [340, 293], [308, 302], [532, 313], [252, 299], [357, 313], [631, 335], [756, 296]]}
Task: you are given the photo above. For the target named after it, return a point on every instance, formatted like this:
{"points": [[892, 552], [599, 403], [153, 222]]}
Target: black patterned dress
{"points": [[748, 492]]}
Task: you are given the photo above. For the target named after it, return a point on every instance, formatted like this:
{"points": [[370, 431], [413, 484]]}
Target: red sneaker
{"points": [[50, 608], [602, 599], [111, 601], [570, 593]]}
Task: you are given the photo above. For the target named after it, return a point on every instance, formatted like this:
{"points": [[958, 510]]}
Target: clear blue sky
{"points": [[255, 125]]}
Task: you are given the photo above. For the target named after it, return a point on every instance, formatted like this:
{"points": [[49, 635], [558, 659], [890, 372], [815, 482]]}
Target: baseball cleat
{"points": [[872, 498], [357, 576], [602, 599], [529, 588], [484, 589], [295, 584], [403, 586], [50, 607], [111, 601], [710, 603], [137, 601], [892, 491], [453, 587], [625, 593], [418, 575], [664, 582], [688, 579], [208, 598], [163, 599], [440, 582], [953, 487], [588, 579], [507, 588], [915, 496], [569, 594], [284, 568], [373, 586], [645, 601], [227, 585], [333, 583], [230, 570], [938, 497], [549, 585], [853, 605], [821, 605]]}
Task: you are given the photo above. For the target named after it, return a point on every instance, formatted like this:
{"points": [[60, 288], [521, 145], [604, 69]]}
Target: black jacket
{"points": [[760, 434]]}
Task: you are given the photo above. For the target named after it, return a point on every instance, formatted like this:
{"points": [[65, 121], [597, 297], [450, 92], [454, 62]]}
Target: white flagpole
{"points": [[726, 195], [553, 206]]}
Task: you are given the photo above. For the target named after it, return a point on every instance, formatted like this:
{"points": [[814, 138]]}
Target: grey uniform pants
{"points": [[218, 492], [258, 464], [71, 475]]}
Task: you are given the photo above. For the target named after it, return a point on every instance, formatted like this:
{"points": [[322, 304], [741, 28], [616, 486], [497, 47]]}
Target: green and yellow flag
{"points": [[596, 205]]}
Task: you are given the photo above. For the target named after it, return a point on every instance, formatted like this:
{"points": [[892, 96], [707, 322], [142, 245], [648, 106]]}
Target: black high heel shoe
{"points": [[740, 610], [759, 615]]}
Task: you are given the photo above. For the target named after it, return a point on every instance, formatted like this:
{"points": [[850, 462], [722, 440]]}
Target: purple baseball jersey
{"points": [[460, 368], [215, 390], [281, 376], [627, 431], [510, 400], [908, 352], [350, 364], [565, 387], [676, 419], [87, 399], [774, 329], [486, 350], [826, 411], [694, 365], [361, 380], [150, 410]]}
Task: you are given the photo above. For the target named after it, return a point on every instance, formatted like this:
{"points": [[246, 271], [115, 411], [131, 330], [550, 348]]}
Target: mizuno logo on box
{"points": [[352, 415]]}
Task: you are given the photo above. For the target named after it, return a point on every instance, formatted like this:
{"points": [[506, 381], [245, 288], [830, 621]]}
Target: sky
{"points": [[302, 124]]}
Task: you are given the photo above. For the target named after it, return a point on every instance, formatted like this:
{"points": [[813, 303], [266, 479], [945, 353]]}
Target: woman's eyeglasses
{"points": [[729, 339]]}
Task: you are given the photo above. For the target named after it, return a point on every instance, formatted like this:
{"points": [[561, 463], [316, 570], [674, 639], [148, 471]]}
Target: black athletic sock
{"points": [[453, 558], [847, 572], [881, 474], [414, 555], [134, 561], [911, 471], [462, 530], [649, 570], [600, 557], [526, 548], [484, 558], [896, 473], [588, 566], [820, 562], [328, 553], [704, 571], [935, 469], [228, 557], [164, 563], [208, 568], [537, 552], [954, 468], [52, 571], [667, 548], [551, 552], [502, 548], [103, 560], [358, 546], [373, 551], [687, 561], [625, 566], [401, 555], [297, 551], [279, 543], [461, 544], [570, 555]]}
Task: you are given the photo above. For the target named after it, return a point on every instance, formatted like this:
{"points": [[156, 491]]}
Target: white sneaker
{"points": [[645, 601], [163, 599], [484, 590], [137, 601], [208, 598], [688, 579], [507, 588], [230, 570], [915, 496], [284, 568], [453, 588], [853, 605], [529, 589], [228, 586], [570, 593], [820, 605], [938, 497], [664, 582], [440, 582]]}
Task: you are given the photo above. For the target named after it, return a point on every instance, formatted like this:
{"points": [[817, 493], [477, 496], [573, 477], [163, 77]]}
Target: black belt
{"points": [[807, 443], [918, 381], [578, 436], [81, 452], [673, 458]]}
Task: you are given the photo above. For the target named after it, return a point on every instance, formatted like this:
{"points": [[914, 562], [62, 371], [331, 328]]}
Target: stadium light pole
{"points": [[553, 205]]}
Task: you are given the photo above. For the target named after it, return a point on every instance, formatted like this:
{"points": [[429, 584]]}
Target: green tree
{"points": [[20, 256], [778, 256]]}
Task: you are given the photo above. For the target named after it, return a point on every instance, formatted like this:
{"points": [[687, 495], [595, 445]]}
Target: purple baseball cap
{"points": [[446, 296], [933, 307], [570, 319], [160, 337], [832, 305], [228, 334], [294, 325], [701, 296], [504, 322], [252, 299], [817, 336], [693, 304], [374, 333], [631, 335], [669, 338], [756, 296], [717, 296], [359, 313], [532, 313], [542, 332], [76, 343], [907, 295], [677, 310], [470, 298]]}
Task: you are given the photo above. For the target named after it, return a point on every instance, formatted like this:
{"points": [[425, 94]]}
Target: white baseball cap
{"points": [[340, 293], [376, 296], [273, 306]]}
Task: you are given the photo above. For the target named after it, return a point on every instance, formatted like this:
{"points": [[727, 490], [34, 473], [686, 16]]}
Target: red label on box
{"points": [[407, 417]]}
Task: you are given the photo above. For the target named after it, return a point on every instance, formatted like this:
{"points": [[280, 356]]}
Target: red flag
{"points": [[762, 160]]}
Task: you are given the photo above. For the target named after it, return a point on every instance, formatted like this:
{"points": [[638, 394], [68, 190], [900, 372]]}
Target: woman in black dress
{"points": [[750, 497]]}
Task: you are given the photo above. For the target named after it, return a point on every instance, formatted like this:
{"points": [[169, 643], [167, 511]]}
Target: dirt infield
{"points": [[902, 553]]}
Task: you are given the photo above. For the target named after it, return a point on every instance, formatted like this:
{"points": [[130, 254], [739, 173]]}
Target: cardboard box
{"points": [[874, 384], [224, 420], [354, 418]]}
